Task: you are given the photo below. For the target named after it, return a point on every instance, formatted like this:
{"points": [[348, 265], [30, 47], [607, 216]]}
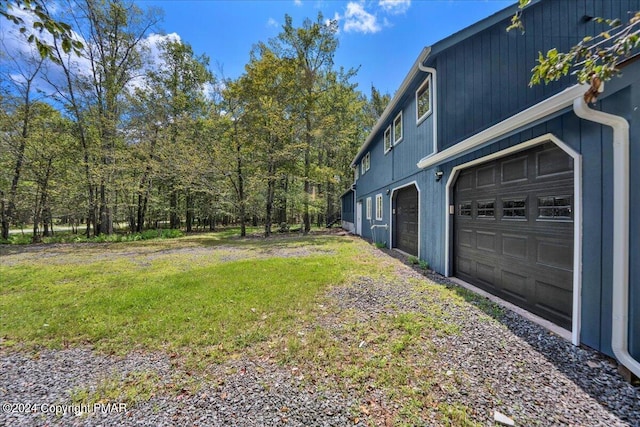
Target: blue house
{"points": [[521, 192]]}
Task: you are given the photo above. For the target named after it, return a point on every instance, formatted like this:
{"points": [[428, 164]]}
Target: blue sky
{"points": [[382, 37]]}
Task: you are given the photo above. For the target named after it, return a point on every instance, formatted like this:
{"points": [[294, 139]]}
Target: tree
{"points": [[312, 48], [42, 23], [113, 31], [593, 60], [26, 70]]}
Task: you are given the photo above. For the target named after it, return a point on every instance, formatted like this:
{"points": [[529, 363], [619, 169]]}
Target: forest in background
{"points": [[119, 131]]}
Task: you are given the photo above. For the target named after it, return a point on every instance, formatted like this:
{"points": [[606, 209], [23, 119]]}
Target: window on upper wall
{"points": [[397, 128], [387, 140], [379, 207], [423, 100], [356, 171], [367, 161], [368, 207], [362, 169]]}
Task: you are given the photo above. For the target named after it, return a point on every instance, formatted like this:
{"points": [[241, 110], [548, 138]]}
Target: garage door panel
{"points": [[553, 161], [554, 253], [406, 220], [486, 241], [515, 246], [515, 284], [466, 238], [486, 176], [486, 273], [514, 171], [501, 241], [465, 266]]}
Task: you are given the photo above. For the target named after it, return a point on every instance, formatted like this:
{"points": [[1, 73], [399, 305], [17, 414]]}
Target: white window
{"points": [[367, 161], [368, 207], [397, 128], [356, 171], [379, 207], [362, 169], [387, 140], [423, 101]]}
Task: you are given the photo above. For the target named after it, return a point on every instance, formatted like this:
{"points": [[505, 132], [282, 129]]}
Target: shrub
{"points": [[413, 260], [381, 245], [423, 264]]}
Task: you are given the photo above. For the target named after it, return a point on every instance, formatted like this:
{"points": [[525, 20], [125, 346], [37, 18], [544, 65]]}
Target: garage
{"points": [[405, 220], [513, 230]]}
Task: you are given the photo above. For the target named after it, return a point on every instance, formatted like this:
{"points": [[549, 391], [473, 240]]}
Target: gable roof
{"points": [[430, 52]]}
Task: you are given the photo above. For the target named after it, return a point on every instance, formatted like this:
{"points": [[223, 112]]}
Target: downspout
{"points": [[434, 91], [620, 303]]}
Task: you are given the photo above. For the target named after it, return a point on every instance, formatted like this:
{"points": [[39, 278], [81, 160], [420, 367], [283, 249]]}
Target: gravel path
{"points": [[500, 362]]}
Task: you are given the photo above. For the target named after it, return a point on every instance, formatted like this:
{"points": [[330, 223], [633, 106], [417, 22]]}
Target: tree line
{"points": [[110, 133]]}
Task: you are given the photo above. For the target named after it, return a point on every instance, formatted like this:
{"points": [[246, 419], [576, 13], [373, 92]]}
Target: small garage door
{"points": [[405, 220], [513, 230]]}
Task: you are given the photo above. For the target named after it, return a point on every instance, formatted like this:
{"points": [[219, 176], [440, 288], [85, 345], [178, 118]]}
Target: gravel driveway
{"points": [[501, 362]]}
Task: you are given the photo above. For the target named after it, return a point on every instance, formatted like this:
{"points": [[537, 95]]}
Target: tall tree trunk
{"points": [[307, 170], [189, 213], [174, 220], [271, 187]]}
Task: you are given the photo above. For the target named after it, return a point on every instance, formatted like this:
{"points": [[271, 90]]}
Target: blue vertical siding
{"points": [[348, 207], [484, 79]]}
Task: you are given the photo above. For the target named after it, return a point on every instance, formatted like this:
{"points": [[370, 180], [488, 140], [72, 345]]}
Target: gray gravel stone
{"points": [[499, 361]]}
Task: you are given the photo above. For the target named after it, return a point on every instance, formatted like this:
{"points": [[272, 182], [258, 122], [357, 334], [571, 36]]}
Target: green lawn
{"points": [[214, 297], [196, 292]]}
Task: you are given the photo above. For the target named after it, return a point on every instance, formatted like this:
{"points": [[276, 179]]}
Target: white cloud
{"points": [[272, 23], [395, 7], [358, 20], [297, 2]]}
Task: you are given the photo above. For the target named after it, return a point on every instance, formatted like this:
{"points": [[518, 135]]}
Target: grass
{"points": [[68, 237], [213, 297]]}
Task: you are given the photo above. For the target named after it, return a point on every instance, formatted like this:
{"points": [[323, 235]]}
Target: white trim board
{"points": [[577, 220], [391, 224], [532, 114]]}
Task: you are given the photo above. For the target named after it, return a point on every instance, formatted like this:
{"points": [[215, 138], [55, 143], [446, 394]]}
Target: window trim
{"points": [[367, 161], [368, 208], [420, 119], [379, 207], [387, 133], [397, 140]]}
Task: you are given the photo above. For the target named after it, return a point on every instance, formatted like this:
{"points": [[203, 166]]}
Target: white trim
{"points": [[397, 140], [577, 219], [413, 72], [369, 209], [620, 279], [408, 184], [379, 207], [384, 137], [434, 104], [420, 119], [539, 111], [367, 159]]}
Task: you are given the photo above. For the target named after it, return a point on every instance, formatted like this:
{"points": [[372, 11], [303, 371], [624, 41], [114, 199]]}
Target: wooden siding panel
{"points": [[484, 79]]}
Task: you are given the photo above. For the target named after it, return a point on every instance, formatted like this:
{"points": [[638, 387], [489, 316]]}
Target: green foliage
{"points": [[594, 59], [423, 264], [43, 22], [381, 245], [65, 237], [413, 260]]}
